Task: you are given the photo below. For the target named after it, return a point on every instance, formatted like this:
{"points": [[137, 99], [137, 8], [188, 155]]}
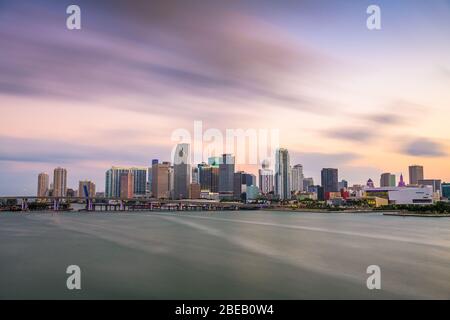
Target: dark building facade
{"points": [[226, 176], [329, 179]]}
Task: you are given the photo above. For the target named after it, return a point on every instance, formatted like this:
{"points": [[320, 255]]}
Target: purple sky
{"points": [[113, 92]]}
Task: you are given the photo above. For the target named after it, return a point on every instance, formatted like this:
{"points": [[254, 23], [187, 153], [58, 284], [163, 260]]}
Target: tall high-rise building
{"points": [[393, 180], [297, 178], [307, 182], [90, 188], [329, 179], [43, 181], [59, 182], [387, 180], [127, 185], [149, 174], [195, 177], [242, 181], [204, 176], [343, 184], [415, 174], [161, 180], [226, 176], [265, 180], [140, 180], [112, 180], [215, 174], [171, 182], [182, 171], [282, 174]]}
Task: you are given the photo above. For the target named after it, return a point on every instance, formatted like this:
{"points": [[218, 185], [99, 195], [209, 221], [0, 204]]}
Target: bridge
{"points": [[55, 203]]}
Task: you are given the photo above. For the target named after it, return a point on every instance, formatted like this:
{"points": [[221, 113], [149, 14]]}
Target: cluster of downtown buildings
{"points": [[218, 180]]}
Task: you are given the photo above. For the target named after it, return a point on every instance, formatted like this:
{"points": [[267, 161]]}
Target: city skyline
{"points": [[282, 182], [366, 102]]}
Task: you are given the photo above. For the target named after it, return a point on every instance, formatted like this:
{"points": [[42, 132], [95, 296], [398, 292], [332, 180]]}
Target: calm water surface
{"points": [[223, 255]]}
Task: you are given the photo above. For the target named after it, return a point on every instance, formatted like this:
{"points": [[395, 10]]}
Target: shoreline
{"points": [[383, 212], [398, 213], [421, 215]]}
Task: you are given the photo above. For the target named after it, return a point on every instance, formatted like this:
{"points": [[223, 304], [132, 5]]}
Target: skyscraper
{"points": [[307, 182], [127, 185], [226, 176], [195, 177], [182, 171], [415, 174], [393, 180], [265, 180], [387, 180], [282, 174], [297, 178], [90, 187], [239, 184], [204, 176], [160, 180], [59, 182], [43, 181], [329, 179], [242, 181], [113, 181], [140, 180], [215, 173], [149, 175]]}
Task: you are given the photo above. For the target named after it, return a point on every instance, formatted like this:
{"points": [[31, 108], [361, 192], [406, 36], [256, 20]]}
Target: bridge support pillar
{"points": [[89, 205], [24, 204]]}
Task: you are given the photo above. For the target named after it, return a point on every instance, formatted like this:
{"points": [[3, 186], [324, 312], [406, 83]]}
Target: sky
{"points": [[341, 95]]}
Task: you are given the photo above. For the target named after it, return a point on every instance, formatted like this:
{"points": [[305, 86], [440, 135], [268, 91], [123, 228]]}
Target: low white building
{"points": [[420, 195], [209, 195]]}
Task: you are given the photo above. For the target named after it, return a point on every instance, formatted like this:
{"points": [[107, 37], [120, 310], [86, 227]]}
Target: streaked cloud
{"points": [[210, 53], [423, 147], [360, 135], [65, 153]]}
